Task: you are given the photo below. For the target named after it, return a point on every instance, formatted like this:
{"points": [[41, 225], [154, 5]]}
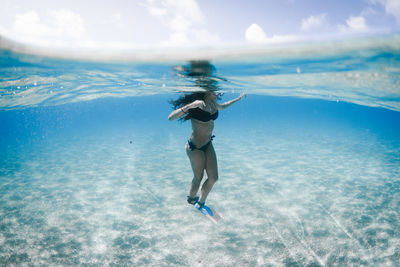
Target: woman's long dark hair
{"points": [[186, 99], [202, 71]]}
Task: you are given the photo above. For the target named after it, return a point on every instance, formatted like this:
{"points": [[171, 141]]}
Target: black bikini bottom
{"points": [[203, 148]]}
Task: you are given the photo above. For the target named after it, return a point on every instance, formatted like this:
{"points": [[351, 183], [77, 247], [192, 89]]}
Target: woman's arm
{"points": [[180, 112], [231, 102]]}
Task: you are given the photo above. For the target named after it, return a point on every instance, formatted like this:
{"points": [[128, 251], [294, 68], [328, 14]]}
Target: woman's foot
{"points": [[199, 205], [192, 200]]}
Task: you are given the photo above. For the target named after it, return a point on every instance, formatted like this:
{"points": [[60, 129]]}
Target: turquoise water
{"points": [[93, 173]]}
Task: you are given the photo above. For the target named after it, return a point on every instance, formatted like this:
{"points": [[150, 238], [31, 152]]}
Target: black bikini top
{"points": [[202, 115]]}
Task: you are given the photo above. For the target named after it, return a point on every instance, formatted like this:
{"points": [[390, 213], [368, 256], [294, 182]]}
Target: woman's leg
{"points": [[198, 162], [212, 172]]}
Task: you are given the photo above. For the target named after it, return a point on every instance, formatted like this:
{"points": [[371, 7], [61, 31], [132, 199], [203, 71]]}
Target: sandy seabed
{"points": [[288, 200]]}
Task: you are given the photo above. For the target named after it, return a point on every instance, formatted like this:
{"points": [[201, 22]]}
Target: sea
{"points": [[92, 173]]}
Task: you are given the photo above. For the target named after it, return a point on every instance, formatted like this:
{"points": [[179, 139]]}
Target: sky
{"points": [[174, 23]]}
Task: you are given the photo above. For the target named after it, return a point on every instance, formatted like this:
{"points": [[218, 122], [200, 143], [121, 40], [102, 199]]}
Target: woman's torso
{"points": [[201, 129]]}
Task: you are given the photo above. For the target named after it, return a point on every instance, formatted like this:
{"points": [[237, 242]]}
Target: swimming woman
{"points": [[201, 109]]}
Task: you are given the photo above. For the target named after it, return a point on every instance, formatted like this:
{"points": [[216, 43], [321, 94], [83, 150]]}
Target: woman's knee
{"points": [[213, 178]]}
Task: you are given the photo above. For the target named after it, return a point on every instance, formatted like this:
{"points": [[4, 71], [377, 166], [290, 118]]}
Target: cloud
{"points": [[184, 19], [256, 35], [314, 23], [392, 7], [29, 24], [158, 12], [354, 24], [357, 23], [58, 27], [67, 23]]}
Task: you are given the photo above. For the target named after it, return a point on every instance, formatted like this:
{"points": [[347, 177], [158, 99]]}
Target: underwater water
{"points": [[93, 173]]}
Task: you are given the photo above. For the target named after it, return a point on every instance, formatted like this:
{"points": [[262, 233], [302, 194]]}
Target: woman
{"points": [[202, 109]]}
